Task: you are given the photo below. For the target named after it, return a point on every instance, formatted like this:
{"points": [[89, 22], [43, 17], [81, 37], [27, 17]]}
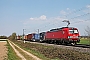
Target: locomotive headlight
{"points": [[76, 36], [73, 37], [70, 36]]}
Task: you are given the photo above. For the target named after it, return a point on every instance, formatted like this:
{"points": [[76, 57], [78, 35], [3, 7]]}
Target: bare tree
{"points": [[88, 31]]}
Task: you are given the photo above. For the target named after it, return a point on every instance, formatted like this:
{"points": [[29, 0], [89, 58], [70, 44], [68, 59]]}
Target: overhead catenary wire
{"points": [[78, 10], [81, 21], [73, 12], [66, 16], [80, 16]]}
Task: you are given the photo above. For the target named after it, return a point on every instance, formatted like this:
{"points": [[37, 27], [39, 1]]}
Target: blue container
{"points": [[36, 37]]}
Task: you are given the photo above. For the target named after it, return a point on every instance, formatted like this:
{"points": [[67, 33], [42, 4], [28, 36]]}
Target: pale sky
{"points": [[31, 15]]}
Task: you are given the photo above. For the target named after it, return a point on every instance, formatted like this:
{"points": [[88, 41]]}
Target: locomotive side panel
{"points": [[57, 35]]}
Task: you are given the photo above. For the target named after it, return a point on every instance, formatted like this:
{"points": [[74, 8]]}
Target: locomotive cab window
{"points": [[73, 31]]}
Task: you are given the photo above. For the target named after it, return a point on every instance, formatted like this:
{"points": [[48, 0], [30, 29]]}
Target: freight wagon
{"points": [[32, 37], [42, 36], [36, 37], [19, 37], [28, 37]]}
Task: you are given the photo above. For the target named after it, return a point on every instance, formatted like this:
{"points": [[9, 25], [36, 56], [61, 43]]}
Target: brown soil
{"points": [[3, 50]]}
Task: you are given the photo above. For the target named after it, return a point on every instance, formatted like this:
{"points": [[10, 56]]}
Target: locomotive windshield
{"points": [[73, 31]]}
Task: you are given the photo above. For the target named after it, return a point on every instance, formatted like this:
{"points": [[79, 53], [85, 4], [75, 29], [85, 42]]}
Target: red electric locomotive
{"points": [[67, 35]]}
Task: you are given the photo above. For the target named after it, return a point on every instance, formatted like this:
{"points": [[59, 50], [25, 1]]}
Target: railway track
{"points": [[79, 47], [82, 45]]}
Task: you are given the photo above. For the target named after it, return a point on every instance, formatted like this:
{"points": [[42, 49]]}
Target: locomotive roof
{"points": [[60, 28]]}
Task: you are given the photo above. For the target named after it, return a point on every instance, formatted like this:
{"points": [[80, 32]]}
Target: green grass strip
{"points": [[11, 53], [27, 57], [85, 41]]}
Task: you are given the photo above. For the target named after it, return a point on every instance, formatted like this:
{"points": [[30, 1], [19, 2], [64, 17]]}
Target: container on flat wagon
{"points": [[42, 35], [18, 38], [29, 36], [26, 37], [36, 37]]}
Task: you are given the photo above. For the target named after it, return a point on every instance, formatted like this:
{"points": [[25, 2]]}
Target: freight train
{"points": [[64, 35]]}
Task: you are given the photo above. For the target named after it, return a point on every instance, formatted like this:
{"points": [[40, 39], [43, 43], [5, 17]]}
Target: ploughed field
{"points": [[51, 52]]}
